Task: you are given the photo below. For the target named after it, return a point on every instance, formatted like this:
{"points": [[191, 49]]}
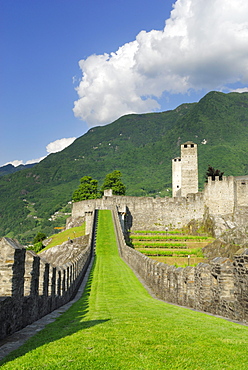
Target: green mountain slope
{"points": [[140, 146], [9, 168]]}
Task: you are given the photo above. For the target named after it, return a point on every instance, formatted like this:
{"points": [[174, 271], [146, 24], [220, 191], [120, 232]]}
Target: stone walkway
{"points": [[17, 339]]}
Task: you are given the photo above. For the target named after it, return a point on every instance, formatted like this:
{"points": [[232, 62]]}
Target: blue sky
{"points": [[69, 65]]}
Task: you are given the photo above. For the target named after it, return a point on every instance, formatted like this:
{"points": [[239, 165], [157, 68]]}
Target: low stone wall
{"points": [[220, 287], [30, 287]]}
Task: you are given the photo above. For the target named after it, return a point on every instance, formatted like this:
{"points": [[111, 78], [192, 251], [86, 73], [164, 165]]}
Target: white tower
{"points": [[176, 177], [189, 182], [185, 171]]}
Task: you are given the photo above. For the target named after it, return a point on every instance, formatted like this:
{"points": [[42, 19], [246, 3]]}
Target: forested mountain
{"points": [[141, 146], [9, 168]]}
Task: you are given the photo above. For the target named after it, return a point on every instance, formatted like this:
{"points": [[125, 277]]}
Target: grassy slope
{"points": [[117, 325], [63, 236]]}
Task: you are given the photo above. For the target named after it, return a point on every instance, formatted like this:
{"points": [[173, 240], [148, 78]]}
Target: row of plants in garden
{"points": [[173, 247], [179, 253], [157, 232], [168, 237], [159, 245]]}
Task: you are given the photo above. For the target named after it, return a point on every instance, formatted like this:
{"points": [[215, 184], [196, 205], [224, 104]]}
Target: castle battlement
{"points": [[223, 179]]}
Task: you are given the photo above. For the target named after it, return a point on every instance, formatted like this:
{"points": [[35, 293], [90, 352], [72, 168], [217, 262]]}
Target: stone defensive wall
{"points": [[30, 287], [219, 195], [219, 288], [142, 213], [227, 195]]}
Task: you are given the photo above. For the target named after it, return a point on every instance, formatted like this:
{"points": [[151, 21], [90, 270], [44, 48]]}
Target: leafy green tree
{"points": [[212, 172], [39, 237], [86, 190], [37, 247], [113, 181]]}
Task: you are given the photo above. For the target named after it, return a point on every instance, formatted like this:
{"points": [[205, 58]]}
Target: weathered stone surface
{"points": [[219, 248], [148, 213], [74, 221], [220, 287], [32, 286], [65, 252]]}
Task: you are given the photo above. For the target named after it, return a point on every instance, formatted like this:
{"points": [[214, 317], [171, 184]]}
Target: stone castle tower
{"points": [[185, 171]]}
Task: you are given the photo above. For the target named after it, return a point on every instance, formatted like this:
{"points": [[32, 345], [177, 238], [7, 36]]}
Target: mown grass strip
{"points": [[146, 244], [117, 325], [173, 252], [169, 237]]}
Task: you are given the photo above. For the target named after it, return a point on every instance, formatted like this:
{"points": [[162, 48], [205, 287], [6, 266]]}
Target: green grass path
{"points": [[117, 325]]}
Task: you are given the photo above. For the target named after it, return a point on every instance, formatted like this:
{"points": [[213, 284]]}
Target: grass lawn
{"points": [[117, 325], [59, 238]]}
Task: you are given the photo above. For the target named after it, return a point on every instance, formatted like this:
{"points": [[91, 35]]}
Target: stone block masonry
{"points": [[189, 168], [220, 288], [144, 213], [30, 287]]}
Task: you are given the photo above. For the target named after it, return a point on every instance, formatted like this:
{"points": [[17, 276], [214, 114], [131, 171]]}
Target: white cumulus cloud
{"points": [[241, 90], [202, 46], [53, 147], [58, 145], [15, 163], [37, 160]]}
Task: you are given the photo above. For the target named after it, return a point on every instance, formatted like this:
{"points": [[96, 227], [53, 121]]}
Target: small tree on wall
{"points": [[39, 237], [113, 181], [212, 172], [86, 190]]}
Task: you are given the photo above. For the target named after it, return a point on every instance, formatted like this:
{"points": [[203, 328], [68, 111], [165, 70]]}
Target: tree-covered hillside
{"points": [[9, 168], [140, 146]]}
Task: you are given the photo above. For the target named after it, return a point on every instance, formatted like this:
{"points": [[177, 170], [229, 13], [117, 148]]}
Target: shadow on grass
{"points": [[65, 325]]}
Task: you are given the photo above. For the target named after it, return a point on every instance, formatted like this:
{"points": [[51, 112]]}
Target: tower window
{"points": [[185, 145], [192, 145]]}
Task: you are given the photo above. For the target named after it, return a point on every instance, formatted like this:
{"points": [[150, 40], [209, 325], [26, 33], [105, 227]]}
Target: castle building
{"points": [[220, 196], [226, 197], [185, 171], [176, 177]]}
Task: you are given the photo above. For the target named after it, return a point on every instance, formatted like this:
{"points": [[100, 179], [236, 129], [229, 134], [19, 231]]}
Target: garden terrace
{"points": [[172, 247]]}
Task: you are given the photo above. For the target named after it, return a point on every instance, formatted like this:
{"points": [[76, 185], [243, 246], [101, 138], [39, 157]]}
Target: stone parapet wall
{"points": [[241, 191], [240, 216], [31, 287], [147, 212], [219, 195], [220, 287]]}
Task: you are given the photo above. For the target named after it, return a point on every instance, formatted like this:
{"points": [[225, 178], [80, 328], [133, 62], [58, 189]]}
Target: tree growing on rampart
{"points": [[113, 181], [86, 190], [212, 172], [39, 237]]}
